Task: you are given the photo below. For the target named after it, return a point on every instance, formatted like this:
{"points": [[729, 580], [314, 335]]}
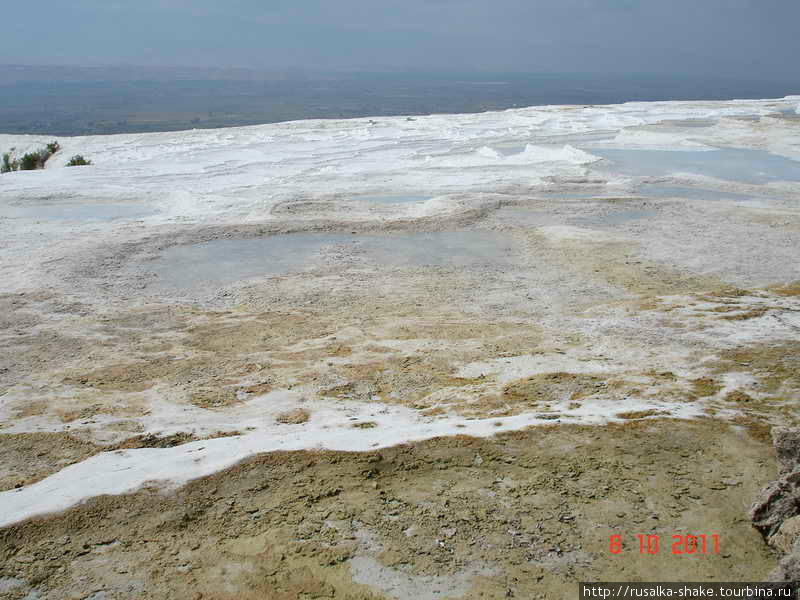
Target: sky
{"points": [[729, 38]]}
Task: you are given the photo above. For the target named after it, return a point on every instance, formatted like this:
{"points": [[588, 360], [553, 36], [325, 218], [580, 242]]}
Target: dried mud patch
{"points": [[30, 457], [726, 292], [167, 441], [551, 387], [524, 514], [776, 367], [136, 376], [218, 359], [214, 397], [615, 264], [639, 414], [705, 387], [421, 381], [748, 314], [774, 374], [208, 381], [546, 393], [154, 441], [84, 406], [243, 333], [13, 313], [790, 289], [294, 417], [738, 396], [32, 352]]}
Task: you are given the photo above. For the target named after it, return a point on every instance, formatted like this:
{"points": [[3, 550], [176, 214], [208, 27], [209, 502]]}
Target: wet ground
{"points": [[665, 191], [76, 212], [729, 164], [222, 262], [393, 199]]}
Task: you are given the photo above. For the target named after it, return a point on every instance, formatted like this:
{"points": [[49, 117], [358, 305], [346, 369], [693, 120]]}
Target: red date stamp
{"points": [[677, 544]]}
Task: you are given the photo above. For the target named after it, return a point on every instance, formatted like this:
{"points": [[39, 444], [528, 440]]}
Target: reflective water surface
{"points": [[222, 262], [732, 164], [76, 212], [393, 199]]}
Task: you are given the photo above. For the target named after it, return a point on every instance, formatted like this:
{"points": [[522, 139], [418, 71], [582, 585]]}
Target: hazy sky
{"points": [[750, 38]]}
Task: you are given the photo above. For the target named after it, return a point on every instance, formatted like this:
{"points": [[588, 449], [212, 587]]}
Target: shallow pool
{"points": [[789, 113], [554, 141], [595, 217], [688, 123], [579, 195], [76, 212], [398, 199], [223, 262], [528, 217], [509, 150], [666, 191], [615, 217], [732, 164]]}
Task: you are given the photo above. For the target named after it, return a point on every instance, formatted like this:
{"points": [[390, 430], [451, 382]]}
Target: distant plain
{"points": [[86, 101]]}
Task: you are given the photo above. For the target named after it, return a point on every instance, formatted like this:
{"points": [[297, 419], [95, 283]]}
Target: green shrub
{"points": [[8, 164], [32, 161], [78, 161], [36, 160]]}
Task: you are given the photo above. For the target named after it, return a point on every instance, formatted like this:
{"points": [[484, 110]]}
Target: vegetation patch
{"points": [[9, 164], [31, 161], [78, 161]]}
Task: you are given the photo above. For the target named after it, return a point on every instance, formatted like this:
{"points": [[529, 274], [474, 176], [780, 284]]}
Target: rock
{"points": [[788, 569], [776, 512], [779, 501], [787, 446], [784, 540]]}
